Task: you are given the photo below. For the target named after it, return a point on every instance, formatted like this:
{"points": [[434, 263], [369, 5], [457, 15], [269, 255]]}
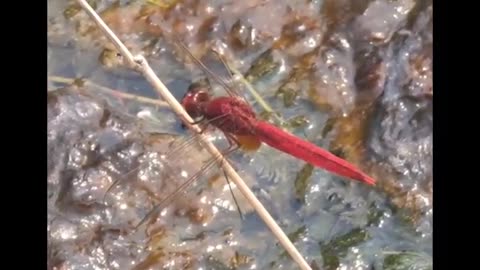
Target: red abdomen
{"points": [[308, 152]]}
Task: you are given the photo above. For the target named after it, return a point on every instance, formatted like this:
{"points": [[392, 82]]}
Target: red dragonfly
{"points": [[236, 119]]}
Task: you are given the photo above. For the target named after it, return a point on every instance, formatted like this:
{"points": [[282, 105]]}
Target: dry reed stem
{"points": [[255, 94], [140, 64], [112, 92]]}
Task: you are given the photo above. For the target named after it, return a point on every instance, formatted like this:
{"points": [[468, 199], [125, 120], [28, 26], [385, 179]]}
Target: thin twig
{"points": [[113, 92], [255, 94], [140, 64]]}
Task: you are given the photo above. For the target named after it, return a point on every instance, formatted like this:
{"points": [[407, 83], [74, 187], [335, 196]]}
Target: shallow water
{"points": [[359, 72]]}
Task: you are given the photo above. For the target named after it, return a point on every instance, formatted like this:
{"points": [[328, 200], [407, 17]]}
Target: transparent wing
{"points": [[231, 87], [168, 173]]}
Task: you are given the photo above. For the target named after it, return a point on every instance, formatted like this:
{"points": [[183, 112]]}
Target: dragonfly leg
{"points": [[232, 141], [195, 122], [203, 124], [203, 127]]}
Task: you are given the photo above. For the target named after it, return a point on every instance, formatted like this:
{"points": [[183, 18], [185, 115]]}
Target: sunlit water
{"points": [[92, 143]]}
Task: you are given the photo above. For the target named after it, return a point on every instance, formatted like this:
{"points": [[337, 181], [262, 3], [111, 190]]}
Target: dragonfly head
{"points": [[195, 100]]}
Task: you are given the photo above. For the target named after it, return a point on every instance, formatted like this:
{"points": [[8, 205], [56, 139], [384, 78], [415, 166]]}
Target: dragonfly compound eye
{"points": [[194, 100]]}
